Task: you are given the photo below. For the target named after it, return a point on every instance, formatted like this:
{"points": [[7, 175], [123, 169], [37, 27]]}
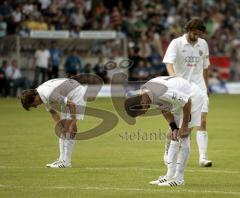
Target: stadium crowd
{"points": [[148, 24]]}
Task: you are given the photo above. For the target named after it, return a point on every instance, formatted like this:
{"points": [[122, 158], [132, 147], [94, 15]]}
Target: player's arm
{"points": [[170, 69], [170, 57], [184, 130], [170, 119], [206, 65], [168, 116], [205, 76], [72, 108], [54, 115]]}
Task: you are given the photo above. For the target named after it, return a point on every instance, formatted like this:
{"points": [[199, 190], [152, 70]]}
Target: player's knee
{"points": [[203, 122]]}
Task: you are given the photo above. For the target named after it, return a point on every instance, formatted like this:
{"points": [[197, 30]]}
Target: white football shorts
{"points": [[77, 96], [195, 117]]}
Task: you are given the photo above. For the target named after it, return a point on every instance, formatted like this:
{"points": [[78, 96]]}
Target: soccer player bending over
{"points": [[64, 99], [180, 102]]}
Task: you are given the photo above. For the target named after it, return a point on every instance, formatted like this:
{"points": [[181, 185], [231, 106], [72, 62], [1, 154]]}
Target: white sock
{"points": [[172, 158], [61, 148], [184, 153], [167, 145], [202, 141], [69, 143]]}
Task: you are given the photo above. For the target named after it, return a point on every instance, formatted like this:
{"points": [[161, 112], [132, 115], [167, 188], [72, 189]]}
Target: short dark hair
{"points": [[133, 106], [27, 98], [195, 24]]}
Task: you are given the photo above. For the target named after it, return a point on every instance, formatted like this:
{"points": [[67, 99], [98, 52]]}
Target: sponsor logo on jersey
{"points": [[192, 59], [200, 52]]}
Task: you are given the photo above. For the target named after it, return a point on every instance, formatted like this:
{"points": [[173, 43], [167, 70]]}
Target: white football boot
{"points": [[61, 164], [161, 179], [172, 183], [205, 163], [51, 164]]}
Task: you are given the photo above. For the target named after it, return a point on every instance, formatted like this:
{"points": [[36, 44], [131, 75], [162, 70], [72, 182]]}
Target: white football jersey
{"points": [[188, 61], [168, 93], [53, 92]]}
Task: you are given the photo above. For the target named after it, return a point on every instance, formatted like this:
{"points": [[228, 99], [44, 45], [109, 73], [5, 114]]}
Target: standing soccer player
{"points": [[180, 102], [188, 57], [67, 97]]}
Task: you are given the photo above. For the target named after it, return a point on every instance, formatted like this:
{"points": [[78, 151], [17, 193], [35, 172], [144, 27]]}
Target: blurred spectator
{"points": [[115, 18], [17, 14], [100, 9], [3, 27], [87, 68], [59, 20], [28, 7], [141, 72], [41, 64], [41, 24], [44, 4], [5, 9], [77, 18], [4, 84], [214, 78], [158, 69], [29, 22], [151, 45], [16, 79], [235, 65], [55, 54], [99, 70], [74, 33], [134, 56], [73, 64]]}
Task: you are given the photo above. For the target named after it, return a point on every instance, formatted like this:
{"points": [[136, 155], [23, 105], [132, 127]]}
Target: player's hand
{"points": [[183, 132], [174, 135], [73, 126]]}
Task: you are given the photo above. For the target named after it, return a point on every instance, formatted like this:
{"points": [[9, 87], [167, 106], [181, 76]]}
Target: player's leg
{"points": [[66, 145], [172, 155], [69, 143], [166, 148], [184, 153], [178, 155], [202, 136], [61, 143]]}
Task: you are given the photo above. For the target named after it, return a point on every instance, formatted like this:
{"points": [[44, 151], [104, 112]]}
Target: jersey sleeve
{"points": [[178, 93], [171, 53], [206, 61]]}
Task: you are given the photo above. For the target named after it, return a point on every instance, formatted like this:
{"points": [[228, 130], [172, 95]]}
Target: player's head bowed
{"points": [[137, 103], [30, 98]]}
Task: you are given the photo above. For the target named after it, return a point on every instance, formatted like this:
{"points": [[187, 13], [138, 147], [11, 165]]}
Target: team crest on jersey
{"points": [[200, 52]]}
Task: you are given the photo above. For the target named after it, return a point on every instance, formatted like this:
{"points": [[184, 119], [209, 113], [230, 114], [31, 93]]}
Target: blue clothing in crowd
{"points": [[73, 64], [55, 56]]}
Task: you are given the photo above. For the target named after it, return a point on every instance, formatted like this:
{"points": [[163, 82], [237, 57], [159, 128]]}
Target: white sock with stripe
{"points": [[61, 148], [69, 144], [184, 153], [172, 158], [202, 141]]}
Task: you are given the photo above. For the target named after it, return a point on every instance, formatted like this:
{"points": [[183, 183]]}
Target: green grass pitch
{"points": [[111, 165]]}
